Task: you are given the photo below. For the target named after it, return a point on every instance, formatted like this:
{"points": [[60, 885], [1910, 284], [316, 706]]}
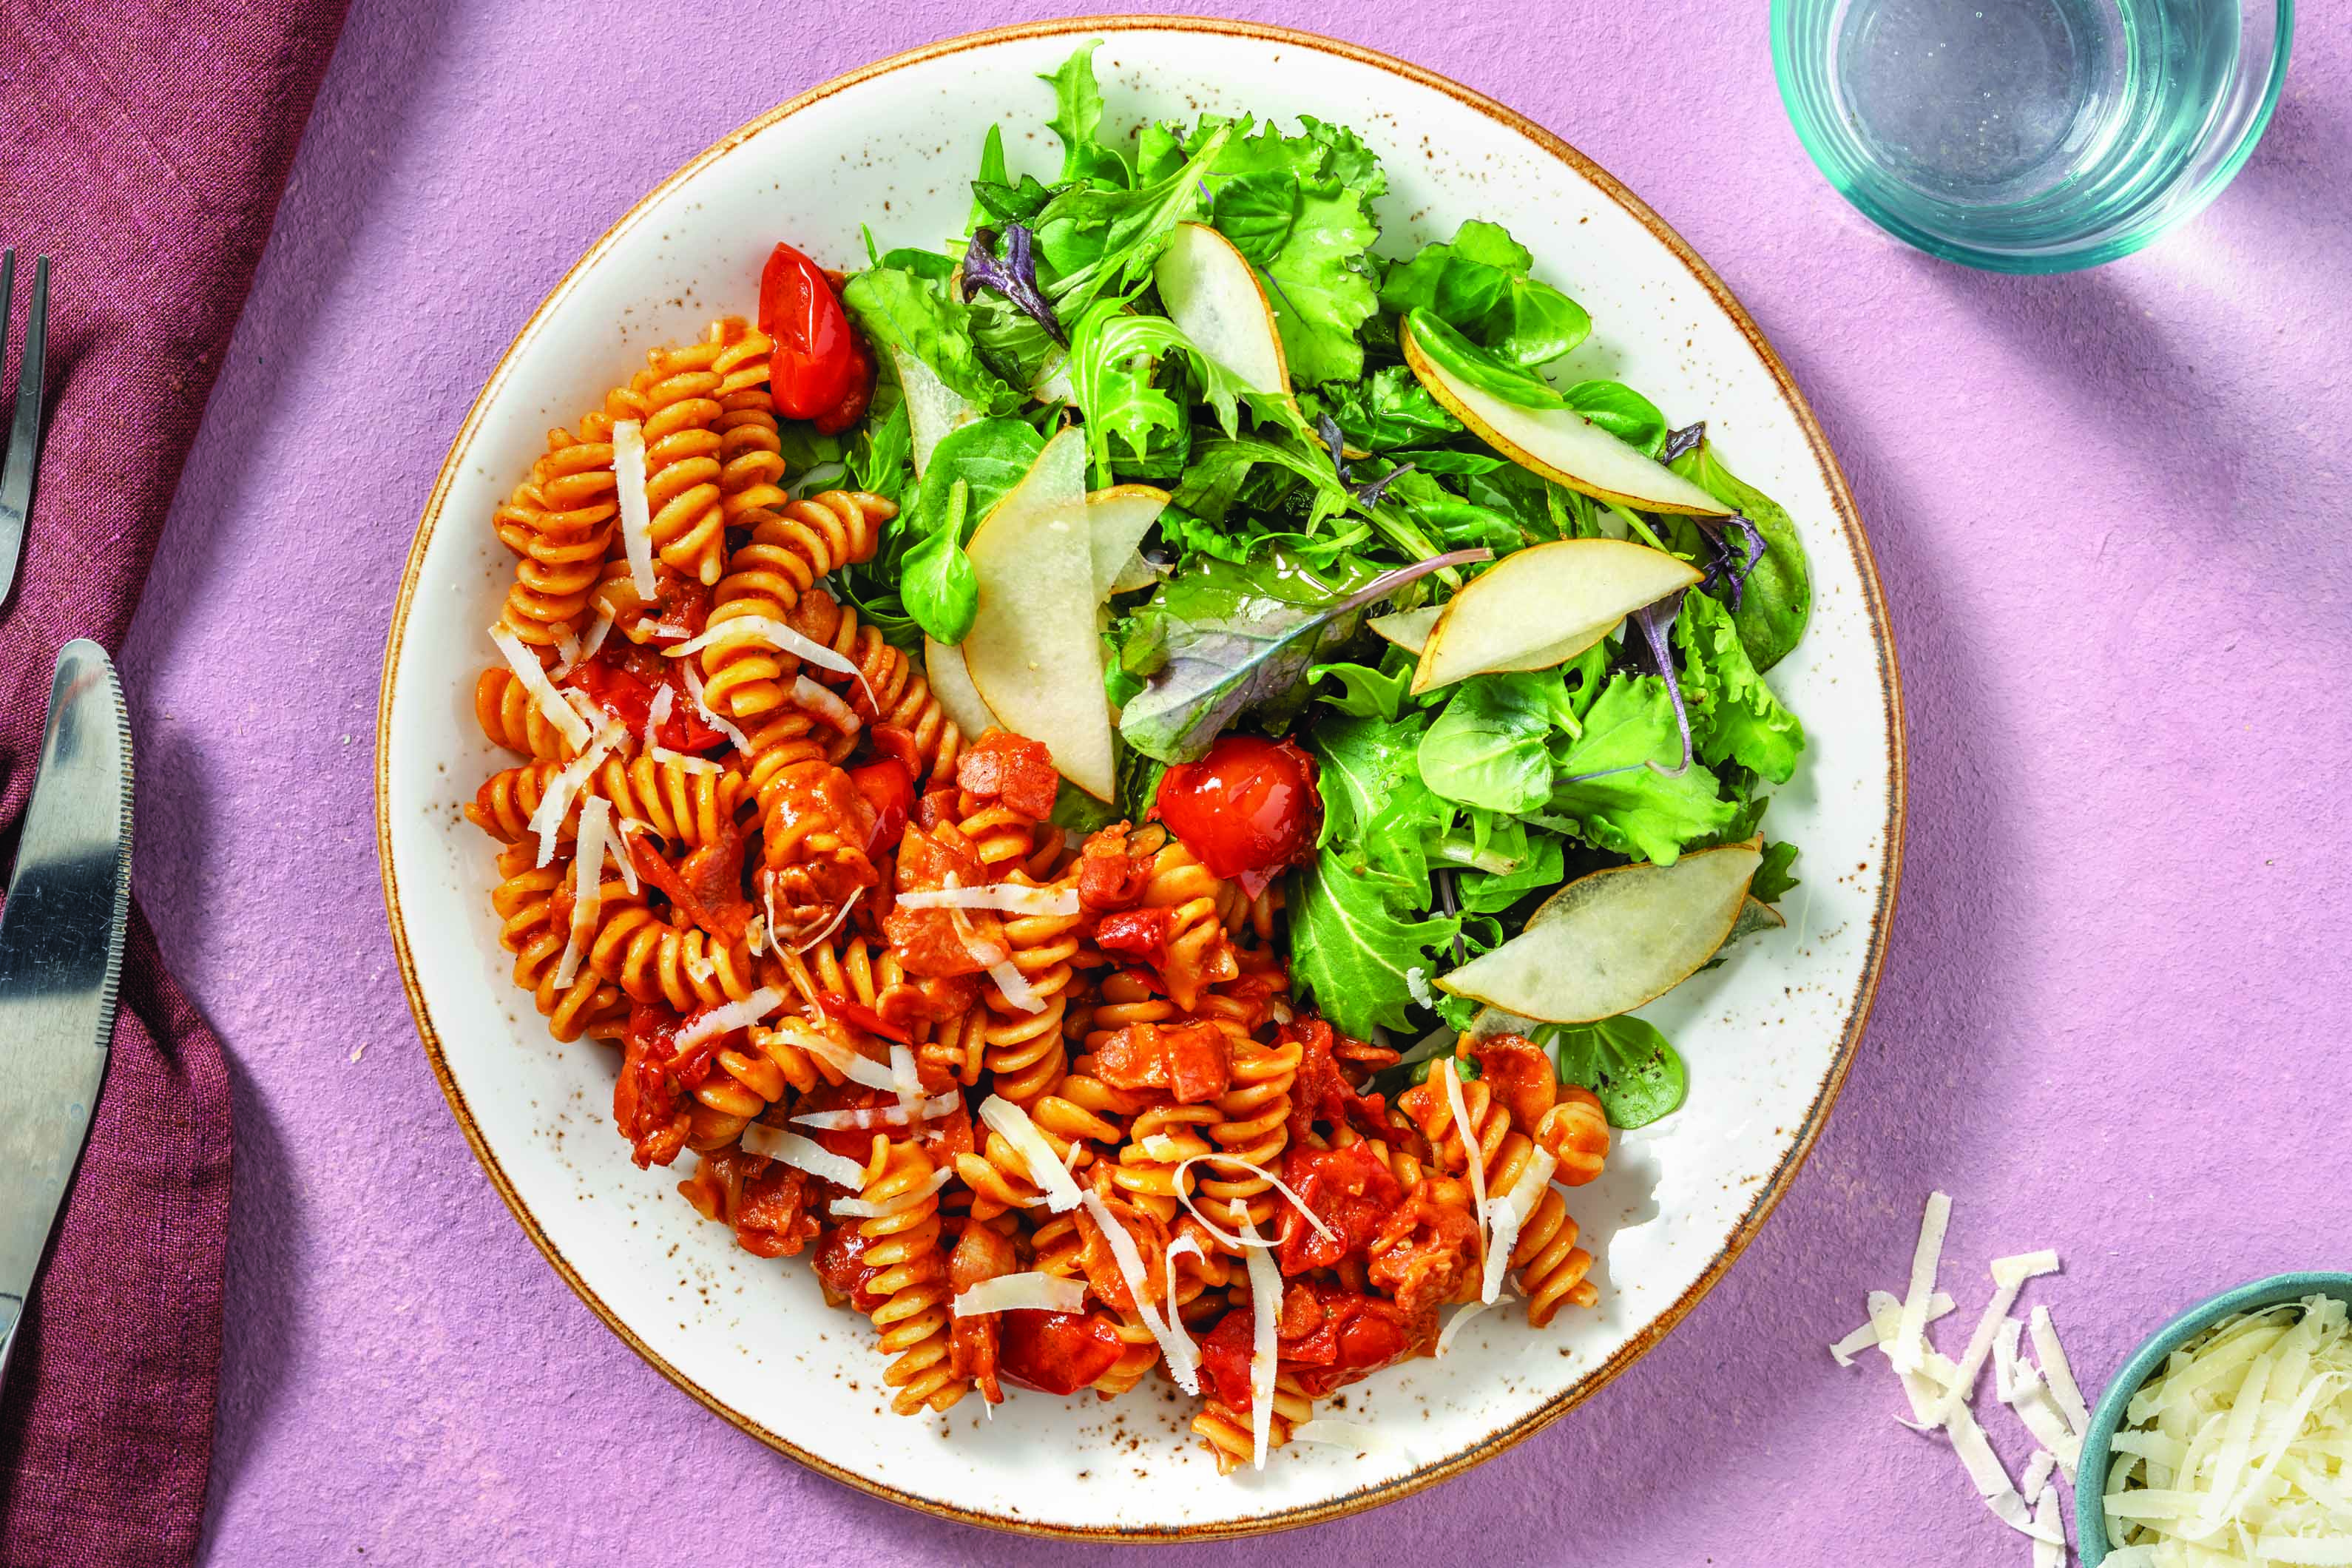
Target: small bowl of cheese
{"points": [[2227, 1437]]}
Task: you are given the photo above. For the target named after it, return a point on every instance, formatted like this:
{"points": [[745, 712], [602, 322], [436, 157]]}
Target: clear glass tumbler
{"points": [[2030, 135]]}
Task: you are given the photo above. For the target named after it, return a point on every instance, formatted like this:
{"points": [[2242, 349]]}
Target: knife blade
{"points": [[61, 960]]}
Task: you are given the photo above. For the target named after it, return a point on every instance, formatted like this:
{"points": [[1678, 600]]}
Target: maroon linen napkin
{"points": [[144, 147]]}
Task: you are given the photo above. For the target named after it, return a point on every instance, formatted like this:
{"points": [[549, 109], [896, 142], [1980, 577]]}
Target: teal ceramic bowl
{"points": [[2090, 1509]]}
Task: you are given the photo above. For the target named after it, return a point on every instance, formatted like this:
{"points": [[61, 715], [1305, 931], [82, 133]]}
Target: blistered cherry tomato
{"points": [[889, 788], [817, 362], [855, 402], [627, 695], [1248, 808]]}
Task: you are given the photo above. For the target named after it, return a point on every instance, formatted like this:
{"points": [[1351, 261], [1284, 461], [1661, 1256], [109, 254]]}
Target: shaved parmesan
{"points": [[588, 885], [1265, 1307], [622, 857], [874, 1118], [804, 1154], [567, 650], [821, 701], [2017, 1270], [1231, 1161], [1473, 1164], [2058, 1373], [2004, 1364], [1183, 1362], [1923, 1386], [543, 694], [1344, 1435], [681, 760], [703, 711], [637, 513], [1911, 1337], [1014, 987], [1011, 898], [729, 1016], [1863, 1338], [1984, 1469], [600, 627], [2049, 1540], [905, 1081], [2009, 1274], [1045, 1170], [830, 926], [658, 714], [2033, 1405], [1159, 1146], [913, 1197], [555, 801], [856, 1067], [1454, 1324], [1510, 1211], [780, 637], [2037, 1474], [1020, 1293], [1182, 1243]]}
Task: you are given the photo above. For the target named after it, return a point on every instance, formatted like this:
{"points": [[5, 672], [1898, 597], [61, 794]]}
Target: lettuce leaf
{"points": [[1733, 715], [898, 308], [1078, 117], [1607, 791], [1355, 956], [1479, 284], [1101, 240], [1778, 598]]}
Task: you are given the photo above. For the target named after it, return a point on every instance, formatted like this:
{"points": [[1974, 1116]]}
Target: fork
{"points": [[24, 455]]}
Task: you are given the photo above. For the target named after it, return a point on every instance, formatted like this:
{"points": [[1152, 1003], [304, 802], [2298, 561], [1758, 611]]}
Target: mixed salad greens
{"points": [[1375, 430]]}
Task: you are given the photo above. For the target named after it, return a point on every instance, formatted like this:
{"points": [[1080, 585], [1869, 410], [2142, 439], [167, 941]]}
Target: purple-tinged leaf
{"points": [[1657, 624], [1329, 428], [1728, 567], [1681, 441], [1371, 492], [1015, 277]]}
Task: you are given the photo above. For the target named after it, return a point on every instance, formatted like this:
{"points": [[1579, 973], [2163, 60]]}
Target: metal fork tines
{"points": [[23, 454]]}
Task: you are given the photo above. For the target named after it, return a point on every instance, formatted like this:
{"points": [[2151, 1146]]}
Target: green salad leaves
{"points": [[1298, 514]]}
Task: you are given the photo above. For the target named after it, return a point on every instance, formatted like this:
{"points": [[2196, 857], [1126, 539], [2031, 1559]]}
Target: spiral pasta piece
{"points": [[682, 804], [1200, 954], [676, 397], [1024, 1052], [1254, 1125], [1229, 1436], [524, 900], [792, 545], [905, 1249], [1159, 1139], [681, 967], [1551, 1267], [900, 697], [510, 719]]}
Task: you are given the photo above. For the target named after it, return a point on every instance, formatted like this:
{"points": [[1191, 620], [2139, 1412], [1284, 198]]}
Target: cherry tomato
{"points": [[853, 402], [1247, 809], [1059, 1353], [889, 788], [817, 361]]}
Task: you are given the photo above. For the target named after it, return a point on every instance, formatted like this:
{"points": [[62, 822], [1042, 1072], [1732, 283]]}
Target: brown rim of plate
{"points": [[1882, 639]]}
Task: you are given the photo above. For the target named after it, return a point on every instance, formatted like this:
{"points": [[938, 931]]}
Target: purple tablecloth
{"points": [[2112, 514]]}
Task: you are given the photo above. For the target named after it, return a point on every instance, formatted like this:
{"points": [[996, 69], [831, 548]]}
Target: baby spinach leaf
{"points": [[979, 462], [1458, 356], [1778, 598], [898, 308], [1605, 791], [1619, 410], [1629, 1067], [1365, 763], [1538, 866], [1351, 953], [1733, 715], [1364, 692], [1220, 639], [1489, 748]]}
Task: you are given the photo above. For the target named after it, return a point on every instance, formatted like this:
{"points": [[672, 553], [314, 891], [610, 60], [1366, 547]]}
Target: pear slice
{"points": [[933, 407], [1543, 605], [1213, 294], [1408, 629], [1560, 443], [951, 681], [1608, 942], [1033, 652], [1118, 519]]}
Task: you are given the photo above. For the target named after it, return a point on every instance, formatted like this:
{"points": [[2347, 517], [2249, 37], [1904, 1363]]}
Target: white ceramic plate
{"points": [[1767, 1036]]}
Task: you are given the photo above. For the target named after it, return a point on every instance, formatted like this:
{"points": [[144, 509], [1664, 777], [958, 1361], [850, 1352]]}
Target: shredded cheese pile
{"points": [[2239, 1451], [1941, 1392]]}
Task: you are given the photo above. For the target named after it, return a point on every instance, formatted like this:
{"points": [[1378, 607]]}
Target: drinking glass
{"points": [[2030, 135]]}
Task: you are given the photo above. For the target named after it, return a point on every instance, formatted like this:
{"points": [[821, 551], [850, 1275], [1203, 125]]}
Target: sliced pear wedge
{"points": [[943, 667], [1213, 293], [1118, 519], [933, 407], [1408, 629], [1606, 943], [1543, 605], [1560, 444], [1033, 653]]}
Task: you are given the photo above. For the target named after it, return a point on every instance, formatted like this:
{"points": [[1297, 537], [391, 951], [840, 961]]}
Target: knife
{"points": [[60, 959]]}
